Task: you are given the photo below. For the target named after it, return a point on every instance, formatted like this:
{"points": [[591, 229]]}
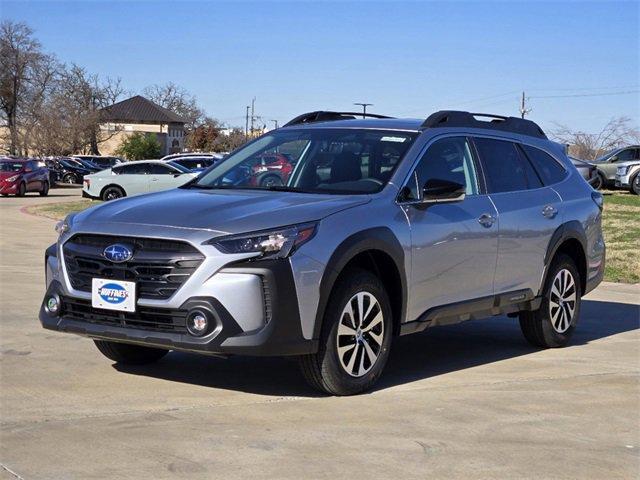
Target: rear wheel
{"points": [[129, 354], [22, 189], [554, 322], [599, 182], [356, 337], [112, 193], [45, 189]]}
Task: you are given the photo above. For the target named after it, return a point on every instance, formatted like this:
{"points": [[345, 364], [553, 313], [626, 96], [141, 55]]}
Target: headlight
{"points": [[64, 226], [623, 170], [12, 179], [278, 243]]}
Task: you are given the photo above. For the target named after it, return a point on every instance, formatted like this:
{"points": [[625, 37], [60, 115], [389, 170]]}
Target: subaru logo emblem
{"points": [[117, 253]]}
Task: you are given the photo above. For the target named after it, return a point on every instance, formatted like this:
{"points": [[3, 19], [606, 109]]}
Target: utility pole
{"points": [[246, 123], [275, 124], [364, 108], [523, 110], [253, 105]]}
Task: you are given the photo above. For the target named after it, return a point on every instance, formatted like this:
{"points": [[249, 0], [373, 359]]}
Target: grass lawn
{"points": [[621, 224], [58, 211]]}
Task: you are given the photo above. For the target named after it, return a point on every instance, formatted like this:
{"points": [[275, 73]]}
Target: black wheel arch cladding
{"points": [[378, 239]]}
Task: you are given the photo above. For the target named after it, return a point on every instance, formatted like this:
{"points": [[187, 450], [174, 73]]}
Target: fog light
{"points": [[52, 305], [197, 323]]}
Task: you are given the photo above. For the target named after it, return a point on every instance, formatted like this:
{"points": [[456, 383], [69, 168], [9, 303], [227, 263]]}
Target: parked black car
{"points": [[66, 170], [100, 161]]}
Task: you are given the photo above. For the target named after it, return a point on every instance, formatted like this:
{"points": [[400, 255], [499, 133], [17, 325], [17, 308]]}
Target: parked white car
{"points": [[628, 176], [134, 178]]}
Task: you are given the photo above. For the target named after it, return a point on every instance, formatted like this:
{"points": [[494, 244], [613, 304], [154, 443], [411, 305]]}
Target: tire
{"points": [[635, 184], [22, 190], [45, 189], [598, 184], [129, 354], [271, 180], [552, 325], [69, 179], [112, 193], [356, 369]]}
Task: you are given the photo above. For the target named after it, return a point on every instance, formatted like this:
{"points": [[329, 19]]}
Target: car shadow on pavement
{"points": [[435, 352]]}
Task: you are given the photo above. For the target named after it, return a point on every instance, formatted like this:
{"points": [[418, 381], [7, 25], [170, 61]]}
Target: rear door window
{"points": [[134, 169], [506, 169], [547, 167]]}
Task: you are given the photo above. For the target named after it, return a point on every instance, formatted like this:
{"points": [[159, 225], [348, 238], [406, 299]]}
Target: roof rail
{"points": [[452, 118], [327, 116]]}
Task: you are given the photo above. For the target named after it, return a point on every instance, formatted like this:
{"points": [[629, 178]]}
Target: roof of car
{"points": [[407, 124]]}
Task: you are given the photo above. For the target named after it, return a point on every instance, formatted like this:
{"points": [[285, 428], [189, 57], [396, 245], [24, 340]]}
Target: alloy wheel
{"points": [[360, 334], [562, 301]]}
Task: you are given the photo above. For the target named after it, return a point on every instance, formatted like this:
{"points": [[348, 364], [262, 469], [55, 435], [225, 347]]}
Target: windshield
{"points": [[71, 163], [179, 167], [10, 166], [320, 160]]}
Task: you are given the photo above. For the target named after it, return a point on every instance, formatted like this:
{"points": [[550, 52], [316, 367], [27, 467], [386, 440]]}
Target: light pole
{"points": [[364, 108]]}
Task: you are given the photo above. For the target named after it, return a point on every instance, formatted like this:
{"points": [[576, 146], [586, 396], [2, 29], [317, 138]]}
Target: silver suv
{"points": [[379, 227]]}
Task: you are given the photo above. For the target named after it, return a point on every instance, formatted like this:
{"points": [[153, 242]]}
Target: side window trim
{"points": [[524, 158]]}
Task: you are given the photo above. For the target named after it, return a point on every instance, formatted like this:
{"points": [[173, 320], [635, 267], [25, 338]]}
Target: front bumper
{"points": [[8, 188], [280, 335]]}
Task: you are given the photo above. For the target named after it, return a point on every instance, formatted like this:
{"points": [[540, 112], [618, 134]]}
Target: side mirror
{"points": [[437, 190], [613, 159]]}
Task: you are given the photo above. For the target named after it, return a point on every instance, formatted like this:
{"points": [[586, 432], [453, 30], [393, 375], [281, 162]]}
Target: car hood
{"points": [[630, 163], [222, 211]]}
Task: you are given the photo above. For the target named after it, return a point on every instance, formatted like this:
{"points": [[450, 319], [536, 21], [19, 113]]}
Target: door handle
{"points": [[549, 211], [486, 220]]}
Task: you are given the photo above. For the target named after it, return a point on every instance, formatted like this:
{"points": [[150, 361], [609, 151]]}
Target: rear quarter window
{"points": [[547, 167]]}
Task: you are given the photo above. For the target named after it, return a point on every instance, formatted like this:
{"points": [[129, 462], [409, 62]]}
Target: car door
{"points": [[31, 176], [133, 178], [163, 177], [529, 214], [454, 245]]}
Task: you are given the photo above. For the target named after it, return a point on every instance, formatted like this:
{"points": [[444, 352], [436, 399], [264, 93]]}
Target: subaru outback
{"points": [[385, 227]]}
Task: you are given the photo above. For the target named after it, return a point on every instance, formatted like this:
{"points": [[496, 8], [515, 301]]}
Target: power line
{"points": [[587, 94]]}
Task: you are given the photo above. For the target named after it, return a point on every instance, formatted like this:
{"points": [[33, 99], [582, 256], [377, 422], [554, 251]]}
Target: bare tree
{"points": [[69, 122], [618, 131], [25, 73], [175, 98]]}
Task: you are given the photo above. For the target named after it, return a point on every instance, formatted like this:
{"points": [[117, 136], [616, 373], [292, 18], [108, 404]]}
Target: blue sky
{"points": [[409, 59]]}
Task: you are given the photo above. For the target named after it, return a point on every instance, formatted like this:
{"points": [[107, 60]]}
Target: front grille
{"points": [[159, 267], [146, 318]]}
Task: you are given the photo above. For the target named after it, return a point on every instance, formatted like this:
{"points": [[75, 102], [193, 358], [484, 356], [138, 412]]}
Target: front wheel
{"points": [[69, 179], [553, 323], [45, 189], [355, 339], [635, 184], [22, 189], [129, 354]]}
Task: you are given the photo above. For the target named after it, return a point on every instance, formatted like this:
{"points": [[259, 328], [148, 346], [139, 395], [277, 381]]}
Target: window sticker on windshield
{"points": [[393, 139]]}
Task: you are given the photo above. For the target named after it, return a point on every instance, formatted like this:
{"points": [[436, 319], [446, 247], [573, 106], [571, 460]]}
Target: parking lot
{"points": [[472, 400]]}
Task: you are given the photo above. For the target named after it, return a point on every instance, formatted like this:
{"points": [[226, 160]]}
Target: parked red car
{"points": [[272, 169], [19, 176]]}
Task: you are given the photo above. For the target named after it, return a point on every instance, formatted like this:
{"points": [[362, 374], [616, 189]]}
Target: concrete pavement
{"points": [[469, 401]]}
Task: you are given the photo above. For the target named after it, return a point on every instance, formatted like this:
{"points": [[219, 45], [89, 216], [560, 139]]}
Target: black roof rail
{"points": [[327, 116], [453, 118]]}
